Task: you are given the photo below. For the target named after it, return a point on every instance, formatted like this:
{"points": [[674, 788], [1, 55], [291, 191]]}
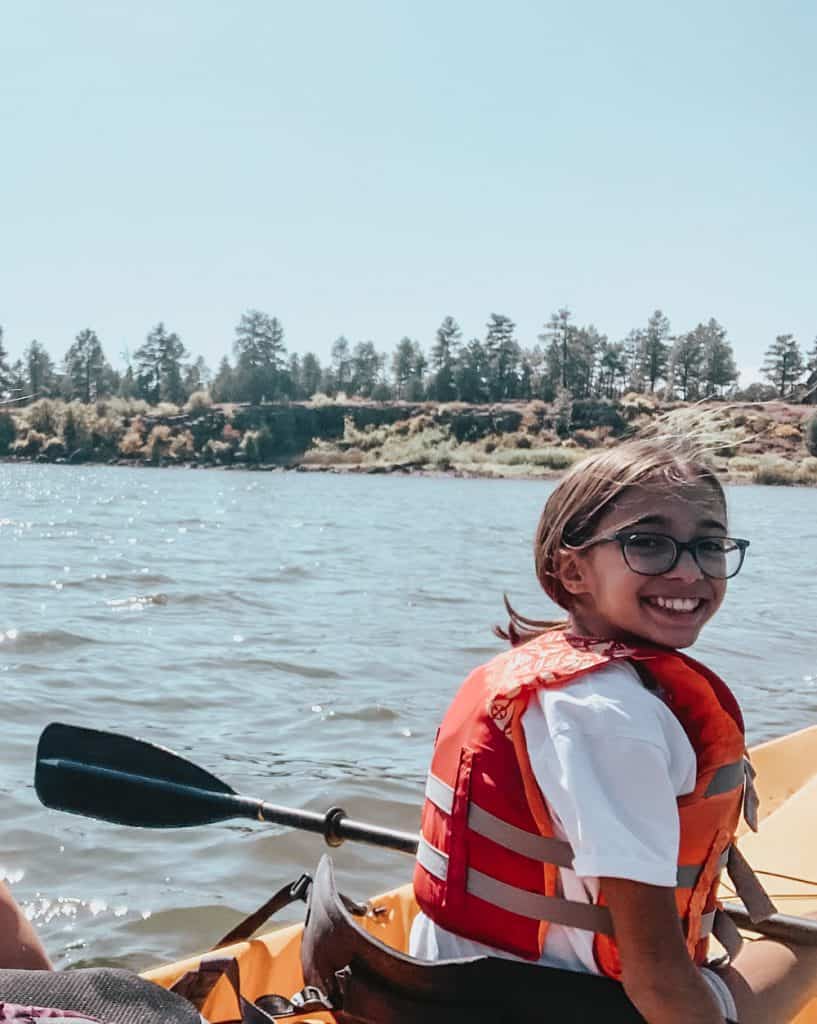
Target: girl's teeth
{"points": [[676, 604]]}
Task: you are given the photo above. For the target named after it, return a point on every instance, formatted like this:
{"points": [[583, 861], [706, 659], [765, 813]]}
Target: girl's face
{"points": [[610, 600]]}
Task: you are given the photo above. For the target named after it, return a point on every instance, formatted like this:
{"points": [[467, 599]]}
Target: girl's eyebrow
{"points": [[655, 520], [711, 524]]}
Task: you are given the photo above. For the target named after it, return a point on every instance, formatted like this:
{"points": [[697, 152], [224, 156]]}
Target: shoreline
{"points": [[763, 443], [374, 469]]}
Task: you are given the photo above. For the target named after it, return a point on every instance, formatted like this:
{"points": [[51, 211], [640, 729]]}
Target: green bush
{"points": [[597, 412], [8, 432], [811, 434]]}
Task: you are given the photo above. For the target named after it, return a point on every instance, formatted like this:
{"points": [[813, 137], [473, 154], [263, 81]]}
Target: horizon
{"points": [[368, 171]]}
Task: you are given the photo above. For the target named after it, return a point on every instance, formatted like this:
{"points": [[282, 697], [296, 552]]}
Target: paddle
{"points": [[133, 782]]}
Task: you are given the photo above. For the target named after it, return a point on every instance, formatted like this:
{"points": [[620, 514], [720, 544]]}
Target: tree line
{"points": [[566, 358]]}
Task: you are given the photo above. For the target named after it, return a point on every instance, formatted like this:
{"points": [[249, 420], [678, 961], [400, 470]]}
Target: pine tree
{"points": [[719, 370], [260, 354], [584, 346], [223, 387], [310, 375], [503, 356], [197, 376], [85, 367], [783, 364], [685, 365], [41, 380], [159, 367], [633, 345], [341, 365], [612, 372], [557, 335], [444, 354], [654, 351], [5, 369], [471, 372], [366, 365], [408, 367]]}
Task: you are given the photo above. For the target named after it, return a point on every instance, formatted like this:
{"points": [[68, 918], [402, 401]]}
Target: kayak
{"points": [[785, 845]]}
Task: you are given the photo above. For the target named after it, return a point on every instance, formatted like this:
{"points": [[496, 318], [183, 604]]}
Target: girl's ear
{"points": [[571, 570]]}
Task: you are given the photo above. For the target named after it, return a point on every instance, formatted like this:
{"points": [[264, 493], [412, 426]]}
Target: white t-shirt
{"points": [[610, 759]]}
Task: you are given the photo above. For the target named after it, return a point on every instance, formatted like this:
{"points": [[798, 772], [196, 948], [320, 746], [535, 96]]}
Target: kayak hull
{"points": [[786, 844]]}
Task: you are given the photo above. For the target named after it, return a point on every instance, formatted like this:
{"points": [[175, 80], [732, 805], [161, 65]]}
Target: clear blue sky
{"points": [[367, 167]]}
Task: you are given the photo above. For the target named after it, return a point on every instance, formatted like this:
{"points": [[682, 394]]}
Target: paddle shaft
{"points": [[334, 825]]}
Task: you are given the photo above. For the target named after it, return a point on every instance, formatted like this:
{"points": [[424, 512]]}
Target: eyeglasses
{"points": [[653, 554]]}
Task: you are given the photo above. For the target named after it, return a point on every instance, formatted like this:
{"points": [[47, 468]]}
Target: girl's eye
{"points": [[713, 546], [645, 542]]}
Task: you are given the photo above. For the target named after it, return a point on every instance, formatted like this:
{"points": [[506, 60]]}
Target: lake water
{"points": [[300, 636]]}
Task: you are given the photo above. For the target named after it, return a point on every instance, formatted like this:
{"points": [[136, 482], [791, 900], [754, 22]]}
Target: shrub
{"points": [[76, 430], [806, 472], [320, 398], [563, 412], [635, 404], [157, 444], [29, 444], [743, 464], [811, 435], [249, 445], [774, 470], [8, 432], [597, 412], [218, 451], [182, 447], [132, 442], [107, 432], [165, 409], [54, 448], [786, 432], [199, 401], [45, 416], [128, 407]]}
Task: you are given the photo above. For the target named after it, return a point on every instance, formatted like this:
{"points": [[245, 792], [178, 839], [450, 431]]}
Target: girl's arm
{"points": [[658, 974], [20, 947]]}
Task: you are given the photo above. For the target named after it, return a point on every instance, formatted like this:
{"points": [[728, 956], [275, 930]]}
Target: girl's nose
{"points": [[686, 568]]}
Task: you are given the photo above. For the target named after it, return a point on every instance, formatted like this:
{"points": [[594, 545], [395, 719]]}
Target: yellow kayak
{"points": [[785, 845]]}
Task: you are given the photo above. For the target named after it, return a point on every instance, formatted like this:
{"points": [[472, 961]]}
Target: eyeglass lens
{"points": [[654, 554]]}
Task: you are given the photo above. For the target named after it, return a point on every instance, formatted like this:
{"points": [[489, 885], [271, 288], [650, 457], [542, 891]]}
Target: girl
{"points": [[586, 785]]}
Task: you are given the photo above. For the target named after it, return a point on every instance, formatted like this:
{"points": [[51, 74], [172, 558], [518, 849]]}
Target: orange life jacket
{"points": [[488, 861]]}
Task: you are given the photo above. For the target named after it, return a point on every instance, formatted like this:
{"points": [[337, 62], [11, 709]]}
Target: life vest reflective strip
{"points": [[488, 860], [548, 850]]}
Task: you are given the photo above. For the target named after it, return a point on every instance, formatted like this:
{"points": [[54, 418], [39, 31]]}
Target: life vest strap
{"points": [[546, 849], [727, 777], [535, 906], [554, 909]]}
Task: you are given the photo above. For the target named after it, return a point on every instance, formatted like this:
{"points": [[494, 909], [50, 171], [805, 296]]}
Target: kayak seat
{"points": [[368, 982]]}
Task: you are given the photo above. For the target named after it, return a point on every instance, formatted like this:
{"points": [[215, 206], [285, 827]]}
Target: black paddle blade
{"points": [[128, 781]]}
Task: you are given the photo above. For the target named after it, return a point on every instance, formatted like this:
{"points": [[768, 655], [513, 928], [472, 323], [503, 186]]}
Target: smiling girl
{"points": [[586, 785]]}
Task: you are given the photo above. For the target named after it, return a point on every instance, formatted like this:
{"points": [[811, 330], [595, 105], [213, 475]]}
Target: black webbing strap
{"points": [[290, 893], [196, 985]]}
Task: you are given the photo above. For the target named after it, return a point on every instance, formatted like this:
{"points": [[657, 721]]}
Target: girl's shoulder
{"points": [[611, 700]]}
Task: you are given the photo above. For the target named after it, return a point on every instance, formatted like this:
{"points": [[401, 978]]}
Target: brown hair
{"points": [[574, 508]]}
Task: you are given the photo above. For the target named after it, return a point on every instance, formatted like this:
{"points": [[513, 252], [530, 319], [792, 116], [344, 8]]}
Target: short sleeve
{"points": [[611, 765]]}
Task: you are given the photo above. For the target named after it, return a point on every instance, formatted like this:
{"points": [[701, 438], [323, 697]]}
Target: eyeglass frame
{"points": [[621, 537]]}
